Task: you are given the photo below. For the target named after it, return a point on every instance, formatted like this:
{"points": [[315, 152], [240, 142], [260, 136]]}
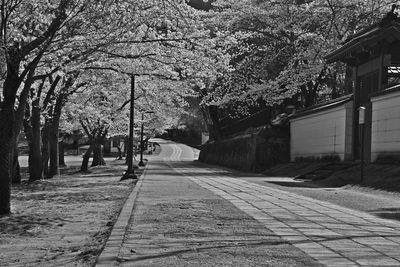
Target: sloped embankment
{"points": [[376, 176]]}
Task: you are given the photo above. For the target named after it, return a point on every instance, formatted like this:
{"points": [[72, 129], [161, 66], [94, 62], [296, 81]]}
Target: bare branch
{"points": [[115, 55], [131, 73], [50, 93], [160, 40], [51, 30], [127, 102]]}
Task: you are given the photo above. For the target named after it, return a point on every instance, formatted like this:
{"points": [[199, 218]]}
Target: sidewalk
{"points": [[191, 215], [176, 222], [331, 234]]}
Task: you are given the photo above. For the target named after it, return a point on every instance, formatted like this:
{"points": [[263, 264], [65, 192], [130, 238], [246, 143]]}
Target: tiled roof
{"points": [[387, 29]]}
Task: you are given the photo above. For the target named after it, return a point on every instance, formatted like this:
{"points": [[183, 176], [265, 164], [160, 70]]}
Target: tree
{"points": [[85, 30], [100, 109], [22, 40], [277, 50], [43, 40]]}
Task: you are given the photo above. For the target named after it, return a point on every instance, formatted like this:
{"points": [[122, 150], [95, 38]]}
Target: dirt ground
{"points": [[63, 221]]}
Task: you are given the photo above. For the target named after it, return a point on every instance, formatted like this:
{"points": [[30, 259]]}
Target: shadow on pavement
{"points": [[295, 184], [244, 243], [388, 213]]}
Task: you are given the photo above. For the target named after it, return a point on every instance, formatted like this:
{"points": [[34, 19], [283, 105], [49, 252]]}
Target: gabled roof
{"points": [[388, 29]]}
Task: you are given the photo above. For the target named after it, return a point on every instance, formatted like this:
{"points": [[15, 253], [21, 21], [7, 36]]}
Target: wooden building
{"points": [[374, 55]]}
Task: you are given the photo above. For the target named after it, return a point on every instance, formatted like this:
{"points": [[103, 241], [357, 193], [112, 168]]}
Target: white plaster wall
{"points": [[385, 136], [322, 133]]}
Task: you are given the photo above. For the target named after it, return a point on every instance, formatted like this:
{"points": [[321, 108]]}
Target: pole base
{"points": [[5, 211], [128, 175], [141, 164]]}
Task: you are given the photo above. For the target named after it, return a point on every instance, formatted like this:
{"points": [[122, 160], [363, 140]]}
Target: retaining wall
{"points": [[254, 150]]}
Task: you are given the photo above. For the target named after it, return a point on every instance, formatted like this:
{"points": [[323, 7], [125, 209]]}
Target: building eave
{"points": [[365, 40]]}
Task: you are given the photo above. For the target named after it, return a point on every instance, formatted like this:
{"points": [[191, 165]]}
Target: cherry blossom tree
{"points": [[27, 28], [277, 52]]}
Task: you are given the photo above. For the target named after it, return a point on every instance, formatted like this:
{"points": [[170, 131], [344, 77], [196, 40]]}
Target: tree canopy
{"points": [[276, 52], [72, 60]]}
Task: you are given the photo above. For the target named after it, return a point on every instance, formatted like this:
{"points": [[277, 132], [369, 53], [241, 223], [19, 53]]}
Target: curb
{"points": [[109, 255]]}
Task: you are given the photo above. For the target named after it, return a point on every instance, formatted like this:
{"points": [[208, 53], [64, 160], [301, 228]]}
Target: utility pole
{"points": [[141, 163], [130, 172]]}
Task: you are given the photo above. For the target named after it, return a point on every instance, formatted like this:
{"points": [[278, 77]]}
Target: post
{"points": [[141, 163], [58, 153], [362, 153], [130, 172], [361, 122]]}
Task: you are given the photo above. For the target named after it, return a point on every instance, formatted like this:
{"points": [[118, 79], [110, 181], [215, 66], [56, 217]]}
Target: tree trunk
{"points": [[35, 155], [120, 154], [53, 149], [45, 148], [15, 169], [211, 112], [61, 158], [98, 159], [86, 157], [96, 137], [10, 88], [19, 119], [6, 136], [53, 136]]}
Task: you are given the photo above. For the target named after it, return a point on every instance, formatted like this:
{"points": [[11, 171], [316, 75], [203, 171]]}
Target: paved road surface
{"points": [[327, 234]]}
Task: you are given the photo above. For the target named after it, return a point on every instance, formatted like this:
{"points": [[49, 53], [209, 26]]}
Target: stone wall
{"points": [[253, 150]]}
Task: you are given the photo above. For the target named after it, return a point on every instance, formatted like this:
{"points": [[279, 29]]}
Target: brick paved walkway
{"points": [[330, 234], [333, 235]]}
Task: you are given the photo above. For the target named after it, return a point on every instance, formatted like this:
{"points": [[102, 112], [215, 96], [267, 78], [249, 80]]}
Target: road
{"points": [[184, 207]]}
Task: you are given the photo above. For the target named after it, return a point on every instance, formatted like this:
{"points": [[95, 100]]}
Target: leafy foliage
{"points": [[276, 53]]}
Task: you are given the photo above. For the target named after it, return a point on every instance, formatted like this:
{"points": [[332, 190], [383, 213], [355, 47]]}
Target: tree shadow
{"points": [[234, 244], [228, 244], [388, 213], [296, 184], [23, 225]]}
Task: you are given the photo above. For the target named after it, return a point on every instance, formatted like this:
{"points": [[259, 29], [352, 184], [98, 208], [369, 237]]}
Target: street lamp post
{"points": [[141, 163], [130, 172]]}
